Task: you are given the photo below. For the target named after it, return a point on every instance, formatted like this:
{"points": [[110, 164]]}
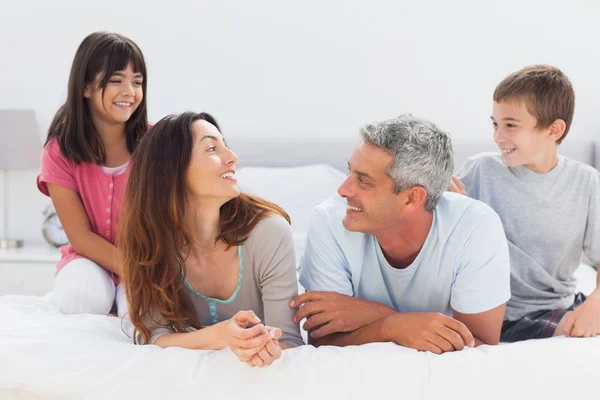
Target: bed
{"points": [[46, 355]]}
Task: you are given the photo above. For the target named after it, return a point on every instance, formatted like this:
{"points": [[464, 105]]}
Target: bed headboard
{"points": [[290, 152]]}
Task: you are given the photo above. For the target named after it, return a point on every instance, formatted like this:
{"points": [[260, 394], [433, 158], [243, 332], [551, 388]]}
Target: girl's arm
{"points": [[76, 224]]}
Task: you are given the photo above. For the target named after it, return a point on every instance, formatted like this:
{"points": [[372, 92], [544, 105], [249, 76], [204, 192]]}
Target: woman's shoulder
{"points": [[269, 234], [269, 244], [271, 227]]}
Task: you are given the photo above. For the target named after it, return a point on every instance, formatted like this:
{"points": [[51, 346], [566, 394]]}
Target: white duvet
{"points": [[88, 357]]}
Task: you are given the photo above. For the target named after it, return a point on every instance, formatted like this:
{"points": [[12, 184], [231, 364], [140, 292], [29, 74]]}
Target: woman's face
{"points": [[211, 173]]}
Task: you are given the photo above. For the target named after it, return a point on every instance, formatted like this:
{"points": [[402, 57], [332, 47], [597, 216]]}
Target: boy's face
{"points": [[516, 135]]}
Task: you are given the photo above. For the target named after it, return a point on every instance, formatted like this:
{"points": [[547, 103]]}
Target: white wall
{"points": [[311, 67]]}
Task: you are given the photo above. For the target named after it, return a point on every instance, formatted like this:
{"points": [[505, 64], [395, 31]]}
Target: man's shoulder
{"points": [[458, 211], [454, 203], [332, 209], [328, 217]]}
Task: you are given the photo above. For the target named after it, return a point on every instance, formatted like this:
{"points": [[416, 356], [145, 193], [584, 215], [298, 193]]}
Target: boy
{"points": [[549, 205]]}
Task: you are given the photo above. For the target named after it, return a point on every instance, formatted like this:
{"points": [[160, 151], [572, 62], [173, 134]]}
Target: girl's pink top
{"points": [[100, 193]]}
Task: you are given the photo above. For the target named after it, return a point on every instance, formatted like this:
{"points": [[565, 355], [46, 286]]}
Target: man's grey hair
{"points": [[422, 154]]}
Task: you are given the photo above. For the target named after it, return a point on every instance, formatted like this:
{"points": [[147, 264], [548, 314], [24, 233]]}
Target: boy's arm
{"points": [[591, 241], [466, 180], [584, 321], [457, 186]]}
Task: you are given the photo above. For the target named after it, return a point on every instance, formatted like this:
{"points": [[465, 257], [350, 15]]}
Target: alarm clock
{"points": [[52, 229]]}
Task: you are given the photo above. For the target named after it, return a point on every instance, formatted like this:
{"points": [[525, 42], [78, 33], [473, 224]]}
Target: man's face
{"points": [[369, 190]]}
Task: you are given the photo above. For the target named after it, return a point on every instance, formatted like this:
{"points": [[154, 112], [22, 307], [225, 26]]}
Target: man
{"points": [[394, 258]]}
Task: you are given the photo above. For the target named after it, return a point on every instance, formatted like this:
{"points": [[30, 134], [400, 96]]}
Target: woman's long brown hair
{"points": [[153, 229]]}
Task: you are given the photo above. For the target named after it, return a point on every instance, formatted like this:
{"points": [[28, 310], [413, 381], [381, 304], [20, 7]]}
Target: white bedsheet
{"points": [[88, 357]]}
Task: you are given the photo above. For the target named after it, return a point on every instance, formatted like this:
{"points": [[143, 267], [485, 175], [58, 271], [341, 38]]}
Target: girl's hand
{"points": [[246, 343]]}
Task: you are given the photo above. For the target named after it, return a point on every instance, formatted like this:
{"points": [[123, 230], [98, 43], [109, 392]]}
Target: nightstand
{"points": [[28, 270]]}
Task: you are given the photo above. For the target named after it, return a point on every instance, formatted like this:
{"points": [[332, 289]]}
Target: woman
{"points": [[202, 261]]}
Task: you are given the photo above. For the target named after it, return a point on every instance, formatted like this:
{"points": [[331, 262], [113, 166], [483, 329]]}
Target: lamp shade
{"points": [[20, 142]]}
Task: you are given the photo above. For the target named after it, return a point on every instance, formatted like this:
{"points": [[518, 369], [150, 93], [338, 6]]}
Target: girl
{"points": [[197, 252], [85, 166]]}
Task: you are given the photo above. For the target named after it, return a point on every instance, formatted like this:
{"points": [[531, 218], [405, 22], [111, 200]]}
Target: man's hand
{"points": [[432, 332], [246, 343], [584, 321], [330, 312], [456, 186]]}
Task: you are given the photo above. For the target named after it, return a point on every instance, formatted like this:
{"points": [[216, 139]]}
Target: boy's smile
{"points": [[520, 140]]}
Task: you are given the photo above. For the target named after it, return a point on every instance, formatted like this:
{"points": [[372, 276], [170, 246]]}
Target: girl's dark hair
{"points": [[101, 53], [153, 226]]}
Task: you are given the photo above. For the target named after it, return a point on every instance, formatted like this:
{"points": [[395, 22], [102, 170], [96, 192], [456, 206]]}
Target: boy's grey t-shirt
{"points": [[549, 219], [269, 282]]}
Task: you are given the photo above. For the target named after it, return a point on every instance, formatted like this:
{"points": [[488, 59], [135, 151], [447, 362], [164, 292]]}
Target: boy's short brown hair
{"points": [[546, 92]]}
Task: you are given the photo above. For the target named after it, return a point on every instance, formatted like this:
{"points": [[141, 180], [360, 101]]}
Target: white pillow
{"points": [[298, 190]]}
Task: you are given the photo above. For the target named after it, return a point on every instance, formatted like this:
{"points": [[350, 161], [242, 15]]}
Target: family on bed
{"points": [[161, 234]]}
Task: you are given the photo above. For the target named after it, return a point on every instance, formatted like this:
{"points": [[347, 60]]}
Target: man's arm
{"points": [[432, 332], [338, 320], [482, 285], [327, 313], [374, 332], [324, 265], [485, 326]]}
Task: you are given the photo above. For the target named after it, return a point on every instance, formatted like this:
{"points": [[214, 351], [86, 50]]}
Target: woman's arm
{"points": [[273, 248], [212, 337], [243, 342], [76, 224]]}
